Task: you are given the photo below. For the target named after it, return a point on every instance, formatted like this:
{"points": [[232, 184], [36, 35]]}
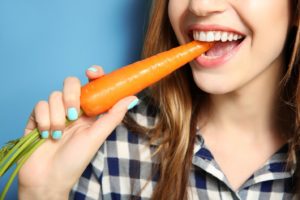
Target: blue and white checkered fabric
{"points": [[123, 168]]}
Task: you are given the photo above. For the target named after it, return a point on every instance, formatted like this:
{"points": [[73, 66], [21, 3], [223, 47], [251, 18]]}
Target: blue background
{"points": [[42, 42]]}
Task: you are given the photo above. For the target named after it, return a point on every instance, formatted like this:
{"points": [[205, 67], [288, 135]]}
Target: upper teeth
{"points": [[210, 36]]}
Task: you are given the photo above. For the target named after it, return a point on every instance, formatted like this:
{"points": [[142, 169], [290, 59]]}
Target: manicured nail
{"points": [[93, 69], [56, 135], [133, 103], [45, 134], [72, 114]]}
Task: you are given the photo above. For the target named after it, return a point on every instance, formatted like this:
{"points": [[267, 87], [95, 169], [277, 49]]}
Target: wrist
{"points": [[42, 194]]}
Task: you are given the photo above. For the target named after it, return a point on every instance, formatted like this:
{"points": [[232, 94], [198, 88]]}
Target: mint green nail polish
{"points": [[93, 69], [56, 135], [45, 134], [133, 103], [72, 114]]}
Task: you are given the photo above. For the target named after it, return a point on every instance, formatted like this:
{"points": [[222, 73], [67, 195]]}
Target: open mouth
{"points": [[226, 44]]}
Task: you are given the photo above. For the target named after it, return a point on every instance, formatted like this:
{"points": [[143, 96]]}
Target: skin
{"points": [[244, 120], [58, 164], [243, 91]]}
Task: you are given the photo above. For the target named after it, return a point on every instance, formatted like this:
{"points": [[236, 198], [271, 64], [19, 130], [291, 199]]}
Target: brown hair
{"points": [[179, 101], [290, 88]]}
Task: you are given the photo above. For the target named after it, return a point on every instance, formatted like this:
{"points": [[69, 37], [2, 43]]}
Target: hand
{"points": [[55, 166]]}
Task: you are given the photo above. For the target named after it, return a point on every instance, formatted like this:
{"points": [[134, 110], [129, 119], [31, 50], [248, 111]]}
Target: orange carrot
{"points": [[101, 94]]}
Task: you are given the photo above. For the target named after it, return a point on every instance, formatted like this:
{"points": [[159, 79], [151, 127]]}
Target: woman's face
{"points": [[250, 37]]}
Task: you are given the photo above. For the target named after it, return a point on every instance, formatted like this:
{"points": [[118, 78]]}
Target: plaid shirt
{"points": [[123, 169]]}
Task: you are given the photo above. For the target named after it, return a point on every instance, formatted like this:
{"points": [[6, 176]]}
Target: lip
{"points": [[208, 62]]}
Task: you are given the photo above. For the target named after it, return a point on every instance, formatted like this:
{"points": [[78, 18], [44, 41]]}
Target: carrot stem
{"points": [[28, 144], [37, 143], [17, 143], [33, 136], [19, 149], [17, 159]]}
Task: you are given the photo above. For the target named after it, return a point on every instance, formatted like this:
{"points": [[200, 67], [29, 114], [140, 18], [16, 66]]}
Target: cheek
{"points": [[269, 22], [176, 10]]}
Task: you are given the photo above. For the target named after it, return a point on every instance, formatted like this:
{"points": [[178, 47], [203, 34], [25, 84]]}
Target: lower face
{"points": [[254, 59]]}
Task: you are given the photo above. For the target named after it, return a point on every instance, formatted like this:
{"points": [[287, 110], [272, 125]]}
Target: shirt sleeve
{"points": [[88, 186]]}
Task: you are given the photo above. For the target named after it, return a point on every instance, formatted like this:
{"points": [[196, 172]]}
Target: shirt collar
{"points": [[274, 168]]}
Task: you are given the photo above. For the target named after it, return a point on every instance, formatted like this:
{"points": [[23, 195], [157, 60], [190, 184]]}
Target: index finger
{"points": [[94, 72]]}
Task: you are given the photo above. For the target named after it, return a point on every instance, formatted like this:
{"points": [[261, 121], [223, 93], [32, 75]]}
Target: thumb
{"points": [[110, 120]]}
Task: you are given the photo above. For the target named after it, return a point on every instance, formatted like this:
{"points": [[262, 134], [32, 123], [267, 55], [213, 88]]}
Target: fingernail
{"points": [[133, 103], [93, 69], [45, 134], [56, 135], [72, 114]]}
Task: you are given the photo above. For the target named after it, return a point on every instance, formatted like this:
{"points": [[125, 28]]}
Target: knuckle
{"points": [[43, 125], [117, 116], [42, 119], [71, 99], [41, 104], [55, 95], [71, 79], [57, 124]]}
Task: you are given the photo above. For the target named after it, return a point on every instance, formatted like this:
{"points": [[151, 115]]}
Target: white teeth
{"points": [[202, 36], [210, 36], [217, 35], [230, 36], [235, 37], [224, 37]]}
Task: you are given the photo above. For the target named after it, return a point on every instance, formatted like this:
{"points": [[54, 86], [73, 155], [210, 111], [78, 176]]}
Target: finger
{"points": [[96, 133], [94, 72], [31, 124], [57, 114], [42, 118], [108, 121], [71, 97]]}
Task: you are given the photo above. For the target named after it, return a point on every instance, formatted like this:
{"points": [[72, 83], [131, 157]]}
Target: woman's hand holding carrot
{"points": [[56, 165], [111, 94]]}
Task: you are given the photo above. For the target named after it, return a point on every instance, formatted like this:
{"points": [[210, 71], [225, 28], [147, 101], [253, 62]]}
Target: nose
{"points": [[206, 7]]}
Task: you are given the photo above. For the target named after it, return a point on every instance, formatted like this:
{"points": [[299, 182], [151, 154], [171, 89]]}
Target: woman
{"points": [[224, 127]]}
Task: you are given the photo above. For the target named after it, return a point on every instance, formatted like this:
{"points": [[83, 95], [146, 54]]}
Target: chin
{"points": [[215, 88], [215, 91]]}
